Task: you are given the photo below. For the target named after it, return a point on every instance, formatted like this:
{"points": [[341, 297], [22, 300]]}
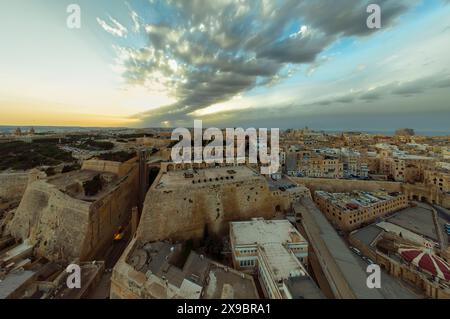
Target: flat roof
{"points": [[206, 176], [415, 157], [359, 198], [158, 258], [260, 231], [282, 263], [283, 182], [225, 283], [67, 180]]}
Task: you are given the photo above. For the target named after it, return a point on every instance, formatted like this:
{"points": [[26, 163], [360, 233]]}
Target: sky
{"points": [[230, 63]]}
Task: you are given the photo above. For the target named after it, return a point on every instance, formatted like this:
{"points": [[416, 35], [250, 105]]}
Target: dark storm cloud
{"points": [[372, 95], [225, 48], [411, 88], [288, 51], [349, 17], [405, 89], [359, 108]]}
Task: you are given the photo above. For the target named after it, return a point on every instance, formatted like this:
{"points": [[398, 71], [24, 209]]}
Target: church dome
{"points": [[426, 260]]}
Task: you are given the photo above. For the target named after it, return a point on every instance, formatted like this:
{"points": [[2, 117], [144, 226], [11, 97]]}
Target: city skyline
{"points": [[228, 63]]}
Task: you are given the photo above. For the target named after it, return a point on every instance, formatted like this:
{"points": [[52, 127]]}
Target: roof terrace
{"points": [[202, 177]]}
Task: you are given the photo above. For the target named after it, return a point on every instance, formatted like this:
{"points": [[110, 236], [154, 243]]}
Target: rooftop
{"points": [[202, 177], [192, 275], [225, 283], [159, 259], [72, 183], [357, 199], [282, 263], [262, 231], [415, 157], [427, 261], [283, 184]]}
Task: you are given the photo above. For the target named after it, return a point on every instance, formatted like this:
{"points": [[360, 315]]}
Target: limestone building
{"points": [[348, 211], [276, 252], [410, 246], [438, 178], [310, 164], [162, 270]]}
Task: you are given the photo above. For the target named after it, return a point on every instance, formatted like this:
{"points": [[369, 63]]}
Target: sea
{"points": [[69, 129]]}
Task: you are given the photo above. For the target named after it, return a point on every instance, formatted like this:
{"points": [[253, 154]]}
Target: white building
{"points": [[272, 248]]}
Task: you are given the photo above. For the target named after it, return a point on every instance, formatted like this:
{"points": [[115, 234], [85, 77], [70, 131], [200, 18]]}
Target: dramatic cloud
{"points": [[115, 28], [208, 52], [405, 89]]}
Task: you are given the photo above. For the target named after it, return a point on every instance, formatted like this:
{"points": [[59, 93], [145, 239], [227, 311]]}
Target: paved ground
{"points": [[111, 258], [417, 219], [340, 266], [103, 288], [443, 213], [393, 288], [346, 270]]}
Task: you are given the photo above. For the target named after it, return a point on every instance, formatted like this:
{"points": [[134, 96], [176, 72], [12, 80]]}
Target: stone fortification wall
{"points": [[186, 212], [182, 214], [65, 228], [13, 185], [54, 222], [121, 169]]}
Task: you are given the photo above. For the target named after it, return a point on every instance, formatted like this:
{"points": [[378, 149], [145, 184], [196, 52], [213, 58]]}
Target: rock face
{"points": [[66, 227]]}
